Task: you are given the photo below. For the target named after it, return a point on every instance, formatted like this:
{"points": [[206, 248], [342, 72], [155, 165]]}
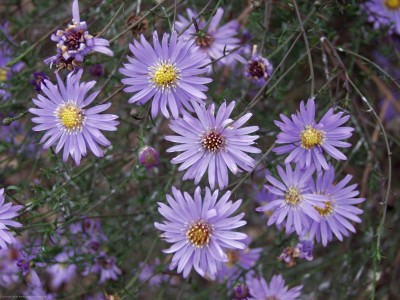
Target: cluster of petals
{"points": [[7, 213], [200, 229], [213, 143]]}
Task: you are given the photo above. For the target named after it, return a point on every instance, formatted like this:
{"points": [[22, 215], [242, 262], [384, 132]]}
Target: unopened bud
{"points": [[149, 157]]}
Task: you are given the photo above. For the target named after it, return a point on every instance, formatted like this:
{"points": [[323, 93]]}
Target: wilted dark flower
{"points": [[258, 69], [241, 292], [75, 42], [38, 80]]}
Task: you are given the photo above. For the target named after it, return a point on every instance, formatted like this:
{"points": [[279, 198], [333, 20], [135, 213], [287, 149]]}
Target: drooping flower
{"points": [[6, 55], [149, 157], [295, 200], [384, 13], [218, 42], [258, 68], [238, 260], [307, 140], [276, 289], [168, 73], [303, 250], [7, 213], [62, 114], [213, 143], [199, 229], [63, 270], [338, 209], [75, 42], [106, 266]]}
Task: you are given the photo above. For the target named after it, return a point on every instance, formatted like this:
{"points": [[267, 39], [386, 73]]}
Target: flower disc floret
{"points": [[199, 233], [164, 75], [71, 117], [392, 4], [311, 137]]}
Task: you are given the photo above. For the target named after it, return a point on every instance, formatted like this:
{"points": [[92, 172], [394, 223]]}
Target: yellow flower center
{"points": [[310, 137], [3, 74], [165, 75], [292, 196], [233, 257], [392, 4], [213, 141], [199, 233], [71, 117], [327, 210]]}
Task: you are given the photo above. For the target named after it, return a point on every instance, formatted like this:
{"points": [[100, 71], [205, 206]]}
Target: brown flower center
{"points": [[257, 69], [213, 141]]}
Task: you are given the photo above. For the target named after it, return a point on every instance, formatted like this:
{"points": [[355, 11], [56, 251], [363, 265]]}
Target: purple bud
{"points": [[241, 292], [306, 248], [149, 157], [38, 79]]}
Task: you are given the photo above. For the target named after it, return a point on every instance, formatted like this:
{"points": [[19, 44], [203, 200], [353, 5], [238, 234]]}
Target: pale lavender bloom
{"points": [[276, 289], [384, 13], [6, 55], [75, 42], [295, 200], [199, 229], [7, 213], [62, 271], [258, 69], [106, 266], [306, 248], [213, 143], [218, 42], [149, 157], [148, 273], [62, 114], [9, 274], [238, 260], [168, 73], [338, 208], [307, 139]]}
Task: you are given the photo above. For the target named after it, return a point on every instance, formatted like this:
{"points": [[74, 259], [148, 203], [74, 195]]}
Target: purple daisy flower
{"points": [[63, 115], [199, 229], [150, 275], [258, 69], [238, 260], [212, 142], [384, 13], [167, 72], [215, 41], [6, 54], [75, 42], [338, 208], [7, 213], [295, 200], [306, 139], [106, 266], [276, 289]]}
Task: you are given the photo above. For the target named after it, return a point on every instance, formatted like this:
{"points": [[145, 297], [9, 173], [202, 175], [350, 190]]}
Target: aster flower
{"points": [[149, 157], [7, 213], [238, 260], [75, 42], [213, 142], [295, 200], [216, 41], [258, 68], [6, 55], [62, 114], [306, 139], [10, 273], [384, 13], [276, 289], [148, 273], [199, 229], [106, 266], [168, 73], [338, 208], [63, 271]]}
